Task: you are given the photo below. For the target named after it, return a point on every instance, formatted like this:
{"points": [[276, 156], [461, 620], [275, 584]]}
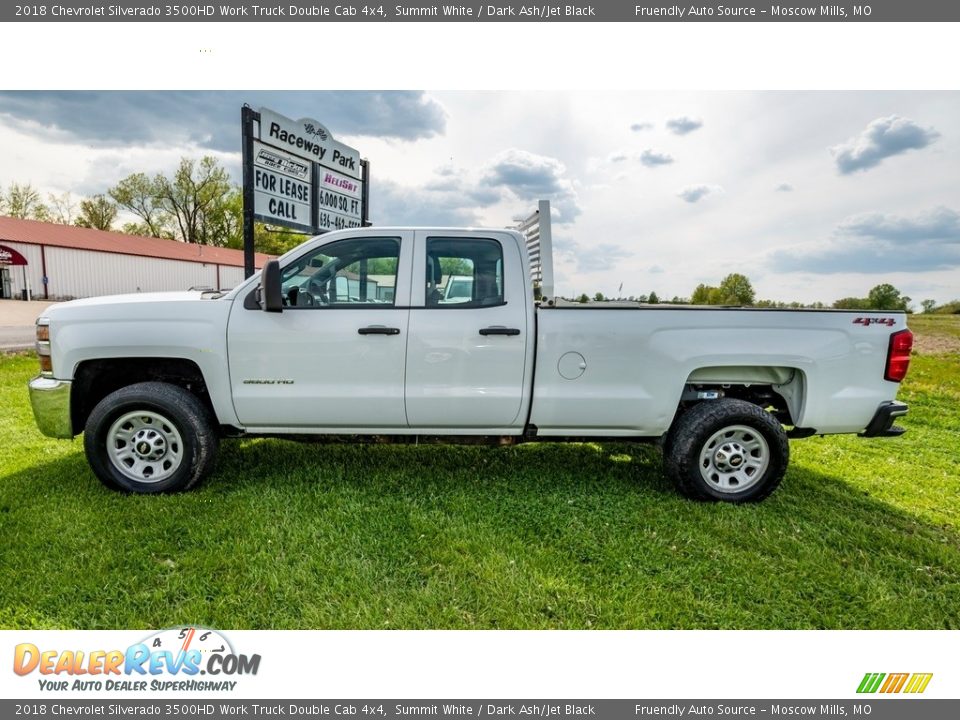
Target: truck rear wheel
{"points": [[151, 437], [727, 450]]}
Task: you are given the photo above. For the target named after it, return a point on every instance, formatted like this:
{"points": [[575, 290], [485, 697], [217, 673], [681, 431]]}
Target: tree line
{"points": [[197, 203], [737, 290]]}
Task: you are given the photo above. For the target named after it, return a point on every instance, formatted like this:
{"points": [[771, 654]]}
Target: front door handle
{"points": [[378, 330], [499, 330]]}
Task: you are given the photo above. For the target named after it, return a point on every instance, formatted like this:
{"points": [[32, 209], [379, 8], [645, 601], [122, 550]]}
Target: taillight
{"points": [[898, 356]]}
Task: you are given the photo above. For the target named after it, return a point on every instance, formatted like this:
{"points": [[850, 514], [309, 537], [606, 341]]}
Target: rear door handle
{"points": [[378, 330], [499, 330]]}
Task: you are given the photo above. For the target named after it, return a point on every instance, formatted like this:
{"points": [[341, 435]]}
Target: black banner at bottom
{"points": [[875, 708]]}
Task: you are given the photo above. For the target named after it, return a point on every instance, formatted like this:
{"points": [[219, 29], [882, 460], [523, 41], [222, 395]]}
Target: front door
{"points": [[334, 358], [469, 355]]}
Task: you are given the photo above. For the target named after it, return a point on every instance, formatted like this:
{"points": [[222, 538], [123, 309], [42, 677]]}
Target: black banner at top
{"points": [[488, 11]]}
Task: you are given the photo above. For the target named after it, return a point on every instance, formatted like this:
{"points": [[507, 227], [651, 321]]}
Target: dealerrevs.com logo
{"points": [[171, 659]]}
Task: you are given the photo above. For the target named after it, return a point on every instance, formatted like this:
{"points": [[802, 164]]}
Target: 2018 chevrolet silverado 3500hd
{"points": [[354, 334]]}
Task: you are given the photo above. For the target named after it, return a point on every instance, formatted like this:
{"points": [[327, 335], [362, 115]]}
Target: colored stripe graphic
{"points": [[870, 682], [918, 683], [894, 683]]}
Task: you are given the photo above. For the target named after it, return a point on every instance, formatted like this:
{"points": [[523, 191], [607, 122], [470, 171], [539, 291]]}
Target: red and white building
{"points": [[60, 262]]}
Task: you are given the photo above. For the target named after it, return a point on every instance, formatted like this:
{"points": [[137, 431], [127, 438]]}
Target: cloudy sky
{"points": [[813, 195]]}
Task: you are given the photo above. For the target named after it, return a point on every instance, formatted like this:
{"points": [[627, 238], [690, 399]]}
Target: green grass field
{"points": [[862, 533]]}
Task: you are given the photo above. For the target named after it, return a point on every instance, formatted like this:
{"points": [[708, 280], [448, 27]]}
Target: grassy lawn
{"points": [[862, 534]]}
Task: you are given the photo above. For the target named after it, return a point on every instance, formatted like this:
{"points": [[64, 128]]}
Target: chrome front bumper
{"points": [[50, 399]]}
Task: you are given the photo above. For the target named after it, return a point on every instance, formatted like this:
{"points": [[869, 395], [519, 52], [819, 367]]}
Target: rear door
{"points": [[467, 354], [335, 357]]}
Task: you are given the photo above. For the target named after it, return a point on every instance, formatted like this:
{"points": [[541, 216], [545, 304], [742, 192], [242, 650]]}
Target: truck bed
{"points": [[619, 373]]}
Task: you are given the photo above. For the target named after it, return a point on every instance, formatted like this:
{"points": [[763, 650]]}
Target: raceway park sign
{"points": [[302, 177]]}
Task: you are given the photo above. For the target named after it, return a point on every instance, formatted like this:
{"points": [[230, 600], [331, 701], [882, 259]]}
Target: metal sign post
{"points": [[295, 174], [365, 197], [247, 118]]}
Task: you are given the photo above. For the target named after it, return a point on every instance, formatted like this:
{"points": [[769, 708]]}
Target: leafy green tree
{"points": [[887, 297], [705, 295], [928, 305], [225, 220], [456, 266], [139, 194], [599, 297], [197, 204], [23, 201], [653, 299], [194, 197], [272, 241], [97, 212], [583, 299], [138, 228], [275, 240], [852, 303], [735, 289]]}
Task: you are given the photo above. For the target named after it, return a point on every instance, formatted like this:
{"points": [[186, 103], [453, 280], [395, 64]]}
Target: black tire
{"points": [[161, 434], [726, 450]]}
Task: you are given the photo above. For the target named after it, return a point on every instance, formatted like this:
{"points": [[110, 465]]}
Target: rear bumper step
{"points": [[882, 423]]}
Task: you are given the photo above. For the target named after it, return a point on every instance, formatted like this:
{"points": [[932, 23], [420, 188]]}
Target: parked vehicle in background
{"points": [[459, 289]]}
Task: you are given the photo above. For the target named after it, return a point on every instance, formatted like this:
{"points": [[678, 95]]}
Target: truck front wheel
{"points": [[728, 450], [150, 437]]}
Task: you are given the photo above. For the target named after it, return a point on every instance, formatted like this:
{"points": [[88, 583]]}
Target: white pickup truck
{"points": [[353, 334]]}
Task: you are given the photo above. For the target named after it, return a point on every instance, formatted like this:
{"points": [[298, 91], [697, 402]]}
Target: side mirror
{"points": [[271, 293]]}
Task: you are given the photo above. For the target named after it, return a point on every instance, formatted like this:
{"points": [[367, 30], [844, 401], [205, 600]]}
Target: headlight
{"points": [[43, 346]]}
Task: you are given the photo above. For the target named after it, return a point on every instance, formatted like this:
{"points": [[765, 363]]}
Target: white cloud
{"points": [[395, 204], [211, 118], [684, 125], [881, 243], [589, 258], [882, 138], [696, 193], [940, 224], [652, 158], [530, 177]]}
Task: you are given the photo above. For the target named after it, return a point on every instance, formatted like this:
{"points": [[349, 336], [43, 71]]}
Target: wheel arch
{"points": [[781, 387], [93, 380]]}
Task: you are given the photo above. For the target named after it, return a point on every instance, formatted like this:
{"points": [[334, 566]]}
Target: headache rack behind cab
{"points": [[536, 230]]}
